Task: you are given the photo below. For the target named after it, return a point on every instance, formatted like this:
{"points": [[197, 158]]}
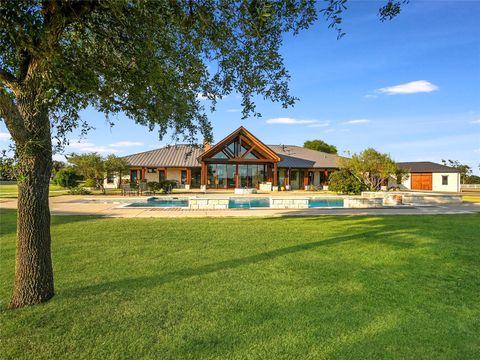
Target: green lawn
{"points": [[405, 287], [11, 191]]}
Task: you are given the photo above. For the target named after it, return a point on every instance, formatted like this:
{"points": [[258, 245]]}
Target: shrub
{"points": [[66, 177], [167, 185], [343, 182], [154, 186], [79, 191], [91, 183]]}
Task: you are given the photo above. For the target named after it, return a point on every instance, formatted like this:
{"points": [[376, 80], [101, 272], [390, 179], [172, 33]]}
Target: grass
{"points": [[219, 288], [11, 191]]}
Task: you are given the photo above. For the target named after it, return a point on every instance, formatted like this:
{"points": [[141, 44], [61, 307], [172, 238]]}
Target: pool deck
{"points": [[78, 205]]}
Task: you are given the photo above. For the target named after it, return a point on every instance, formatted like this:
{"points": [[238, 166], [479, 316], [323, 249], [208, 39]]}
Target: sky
{"points": [[409, 87]]}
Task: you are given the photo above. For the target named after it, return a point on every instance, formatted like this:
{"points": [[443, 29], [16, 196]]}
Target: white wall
{"points": [[453, 182]]}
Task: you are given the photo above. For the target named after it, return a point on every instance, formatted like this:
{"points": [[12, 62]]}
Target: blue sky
{"points": [[409, 87]]}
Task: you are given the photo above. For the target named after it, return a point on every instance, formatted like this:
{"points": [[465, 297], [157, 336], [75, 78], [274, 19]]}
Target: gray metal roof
{"points": [[186, 156], [169, 156], [426, 167], [299, 157]]}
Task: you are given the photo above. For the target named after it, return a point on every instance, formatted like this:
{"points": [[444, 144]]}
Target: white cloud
{"points": [[4, 136], [476, 121], [90, 147], [233, 110], [370, 96], [290, 121], [126, 143], [413, 87], [325, 124], [201, 97], [358, 121]]}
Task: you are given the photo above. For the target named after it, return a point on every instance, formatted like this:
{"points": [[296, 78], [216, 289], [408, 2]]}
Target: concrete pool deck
{"points": [[80, 205]]}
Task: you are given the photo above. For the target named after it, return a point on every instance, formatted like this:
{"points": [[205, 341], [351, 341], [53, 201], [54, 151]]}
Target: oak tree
{"points": [[147, 59]]}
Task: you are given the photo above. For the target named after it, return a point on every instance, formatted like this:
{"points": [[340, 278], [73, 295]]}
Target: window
{"points": [[151, 170], [110, 178], [444, 179], [183, 177], [161, 175]]}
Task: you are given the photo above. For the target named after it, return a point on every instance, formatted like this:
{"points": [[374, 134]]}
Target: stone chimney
{"points": [[206, 145]]}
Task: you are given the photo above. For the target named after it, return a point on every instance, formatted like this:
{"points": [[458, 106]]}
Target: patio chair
{"points": [[127, 190], [143, 189]]}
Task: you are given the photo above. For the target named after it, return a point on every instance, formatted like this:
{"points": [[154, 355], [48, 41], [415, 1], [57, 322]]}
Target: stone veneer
{"points": [[278, 202], [208, 203]]}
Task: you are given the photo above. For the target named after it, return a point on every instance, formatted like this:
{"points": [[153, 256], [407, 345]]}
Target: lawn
{"points": [[11, 191], [403, 287]]}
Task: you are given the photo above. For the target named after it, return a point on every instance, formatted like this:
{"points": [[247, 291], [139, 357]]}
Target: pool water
{"points": [[245, 203], [321, 203], [161, 203]]}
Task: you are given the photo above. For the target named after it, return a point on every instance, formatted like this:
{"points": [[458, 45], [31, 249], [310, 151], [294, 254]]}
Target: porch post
{"points": [[326, 177], [203, 174], [236, 176], [275, 171], [189, 176], [287, 177], [305, 177]]}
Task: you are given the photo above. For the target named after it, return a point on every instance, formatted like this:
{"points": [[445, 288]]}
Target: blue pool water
{"points": [[161, 203], [246, 203], [320, 203]]}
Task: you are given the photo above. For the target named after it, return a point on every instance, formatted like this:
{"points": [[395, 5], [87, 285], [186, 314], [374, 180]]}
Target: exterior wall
{"points": [[174, 174], [116, 180], [453, 182]]}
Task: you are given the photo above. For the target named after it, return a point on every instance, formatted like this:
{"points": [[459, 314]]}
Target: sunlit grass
{"points": [[292, 288]]}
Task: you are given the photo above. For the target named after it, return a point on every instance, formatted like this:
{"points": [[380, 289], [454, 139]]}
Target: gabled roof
{"points": [[241, 131], [426, 167], [182, 155], [294, 156]]}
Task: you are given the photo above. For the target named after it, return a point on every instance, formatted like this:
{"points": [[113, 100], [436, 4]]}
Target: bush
{"points": [[154, 186], [167, 185], [91, 183], [343, 182], [79, 191], [66, 177]]}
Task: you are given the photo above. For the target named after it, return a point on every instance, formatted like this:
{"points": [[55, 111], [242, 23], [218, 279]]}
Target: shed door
{"points": [[422, 181]]}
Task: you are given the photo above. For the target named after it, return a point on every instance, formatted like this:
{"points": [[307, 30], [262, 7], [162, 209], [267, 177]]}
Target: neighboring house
{"points": [[241, 160], [430, 176], [238, 161]]}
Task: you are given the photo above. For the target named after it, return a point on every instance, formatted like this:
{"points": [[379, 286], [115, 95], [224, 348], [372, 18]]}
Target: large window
{"points": [[251, 176], [196, 176]]}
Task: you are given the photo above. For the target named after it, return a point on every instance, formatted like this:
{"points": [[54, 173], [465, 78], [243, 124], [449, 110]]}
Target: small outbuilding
{"points": [[430, 176]]}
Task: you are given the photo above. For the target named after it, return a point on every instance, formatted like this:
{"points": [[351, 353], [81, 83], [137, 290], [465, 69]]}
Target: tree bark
{"points": [[33, 267]]}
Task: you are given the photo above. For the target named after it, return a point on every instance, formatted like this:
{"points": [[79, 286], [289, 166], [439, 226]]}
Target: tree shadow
{"points": [[145, 282]]}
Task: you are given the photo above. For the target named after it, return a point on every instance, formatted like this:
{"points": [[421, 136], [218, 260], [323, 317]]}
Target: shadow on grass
{"points": [[146, 282]]}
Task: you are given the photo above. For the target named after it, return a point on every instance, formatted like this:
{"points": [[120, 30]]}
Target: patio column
{"points": [[275, 172], [236, 176], [326, 177], [189, 176], [143, 174], [305, 177], [203, 174]]}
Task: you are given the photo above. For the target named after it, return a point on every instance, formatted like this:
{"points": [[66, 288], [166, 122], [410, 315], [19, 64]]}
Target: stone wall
{"points": [[288, 203], [362, 202], [208, 203]]}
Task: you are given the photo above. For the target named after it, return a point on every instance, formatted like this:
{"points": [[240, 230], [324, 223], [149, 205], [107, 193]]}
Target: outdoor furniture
{"points": [[127, 190], [143, 189]]}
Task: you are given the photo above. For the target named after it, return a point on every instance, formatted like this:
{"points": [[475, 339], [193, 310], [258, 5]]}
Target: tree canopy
{"points": [[372, 168], [320, 145], [150, 60]]}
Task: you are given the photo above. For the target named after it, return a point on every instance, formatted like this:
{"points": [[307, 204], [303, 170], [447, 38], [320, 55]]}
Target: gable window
{"points": [[444, 179]]}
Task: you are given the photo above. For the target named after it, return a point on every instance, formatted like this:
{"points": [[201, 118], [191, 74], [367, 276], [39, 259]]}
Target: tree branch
{"points": [[8, 80], [10, 114]]}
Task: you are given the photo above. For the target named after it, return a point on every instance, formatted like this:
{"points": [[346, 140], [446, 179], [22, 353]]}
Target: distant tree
{"points": [[116, 165], [66, 177], [344, 182], [7, 167], [90, 166], [372, 168], [57, 166], [320, 145], [466, 170]]}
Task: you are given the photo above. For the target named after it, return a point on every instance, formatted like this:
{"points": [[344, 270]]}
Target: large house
{"points": [[242, 161]]}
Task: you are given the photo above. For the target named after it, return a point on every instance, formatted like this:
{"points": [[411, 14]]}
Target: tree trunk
{"points": [[33, 268]]}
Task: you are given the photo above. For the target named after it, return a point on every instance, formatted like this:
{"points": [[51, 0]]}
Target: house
{"points": [[430, 176], [242, 161]]}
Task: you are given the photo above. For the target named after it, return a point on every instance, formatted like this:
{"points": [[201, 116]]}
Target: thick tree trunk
{"points": [[33, 268]]}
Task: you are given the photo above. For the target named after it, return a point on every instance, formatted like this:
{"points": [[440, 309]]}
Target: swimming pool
{"points": [[248, 203], [161, 203], [325, 203]]}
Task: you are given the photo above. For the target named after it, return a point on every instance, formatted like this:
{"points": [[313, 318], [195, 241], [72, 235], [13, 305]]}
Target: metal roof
{"points": [[299, 157], [426, 167], [186, 156], [182, 155]]}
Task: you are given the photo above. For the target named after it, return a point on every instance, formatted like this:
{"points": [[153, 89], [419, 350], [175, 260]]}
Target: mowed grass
{"points": [[11, 190], [397, 287]]}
